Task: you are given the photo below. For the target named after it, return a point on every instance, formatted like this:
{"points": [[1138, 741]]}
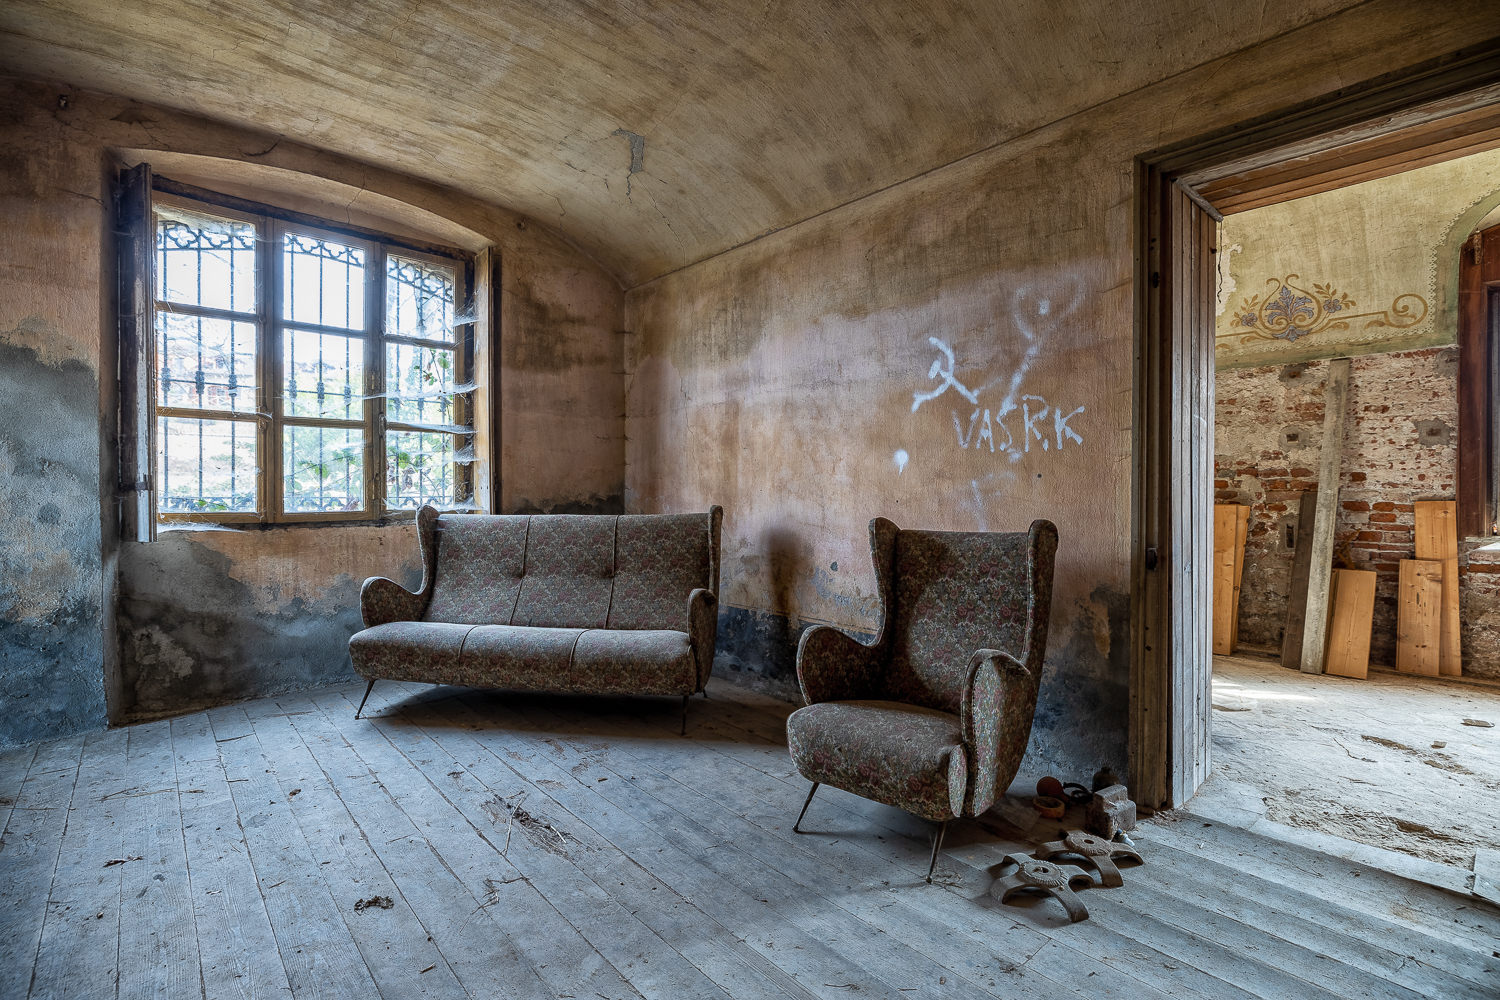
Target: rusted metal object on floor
{"points": [[1110, 812], [1044, 876], [1097, 851]]}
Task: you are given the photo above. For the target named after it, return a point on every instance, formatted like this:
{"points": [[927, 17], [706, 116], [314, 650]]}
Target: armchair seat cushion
{"points": [[903, 755]]}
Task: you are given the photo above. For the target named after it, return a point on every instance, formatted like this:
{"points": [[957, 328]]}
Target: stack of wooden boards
{"points": [[1231, 523], [1427, 640], [1427, 636]]}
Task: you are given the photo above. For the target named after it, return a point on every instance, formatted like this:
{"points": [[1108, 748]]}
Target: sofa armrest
{"points": [[999, 699], [382, 601], [703, 630], [834, 666]]}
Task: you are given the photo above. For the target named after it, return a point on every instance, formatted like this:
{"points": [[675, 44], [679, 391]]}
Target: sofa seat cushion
{"points": [[408, 651], [903, 755], [522, 659], [624, 661]]}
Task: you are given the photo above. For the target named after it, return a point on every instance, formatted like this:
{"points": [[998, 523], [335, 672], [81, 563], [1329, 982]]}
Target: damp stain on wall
{"points": [[210, 617], [51, 644]]}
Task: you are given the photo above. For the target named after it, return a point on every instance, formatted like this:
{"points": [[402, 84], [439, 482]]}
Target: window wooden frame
{"points": [[269, 415]]}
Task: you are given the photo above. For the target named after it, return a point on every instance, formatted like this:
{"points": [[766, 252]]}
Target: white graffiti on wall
{"points": [[938, 371], [1036, 430]]}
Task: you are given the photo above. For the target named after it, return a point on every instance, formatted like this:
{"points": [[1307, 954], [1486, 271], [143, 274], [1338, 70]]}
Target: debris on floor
{"points": [[1052, 808], [374, 902], [1053, 879], [1479, 722], [121, 861], [1110, 811], [1098, 852]]}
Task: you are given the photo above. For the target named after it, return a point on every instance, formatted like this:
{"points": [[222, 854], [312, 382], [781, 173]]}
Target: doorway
{"points": [[1353, 286], [1426, 114]]}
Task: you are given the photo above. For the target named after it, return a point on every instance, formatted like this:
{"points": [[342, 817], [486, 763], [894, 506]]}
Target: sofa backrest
{"points": [[956, 592], [631, 571], [570, 568], [660, 558], [480, 562]]}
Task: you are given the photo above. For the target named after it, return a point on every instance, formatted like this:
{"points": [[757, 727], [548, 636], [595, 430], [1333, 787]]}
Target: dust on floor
{"points": [[1386, 761]]}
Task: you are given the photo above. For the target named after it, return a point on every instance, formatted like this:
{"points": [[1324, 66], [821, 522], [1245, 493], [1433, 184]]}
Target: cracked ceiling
{"points": [[650, 134]]}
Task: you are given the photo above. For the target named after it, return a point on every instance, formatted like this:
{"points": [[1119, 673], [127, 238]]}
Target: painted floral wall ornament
{"points": [[1289, 311]]}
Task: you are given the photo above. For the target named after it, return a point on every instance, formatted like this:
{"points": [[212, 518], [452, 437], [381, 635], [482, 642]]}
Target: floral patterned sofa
{"points": [[568, 603], [935, 714]]}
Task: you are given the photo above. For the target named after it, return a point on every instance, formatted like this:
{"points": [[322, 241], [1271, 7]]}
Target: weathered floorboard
{"points": [[80, 937], [29, 853], [236, 942]]}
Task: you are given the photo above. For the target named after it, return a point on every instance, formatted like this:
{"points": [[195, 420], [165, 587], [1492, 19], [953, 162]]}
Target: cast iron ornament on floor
{"points": [[1049, 877], [1099, 852]]}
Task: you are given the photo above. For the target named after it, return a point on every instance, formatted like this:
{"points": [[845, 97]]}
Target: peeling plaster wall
{"points": [[53, 591], [209, 617], [1400, 446], [203, 617], [1366, 253], [804, 383], [803, 380]]}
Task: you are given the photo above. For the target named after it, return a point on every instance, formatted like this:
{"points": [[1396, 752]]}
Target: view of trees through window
{"points": [[304, 373]]}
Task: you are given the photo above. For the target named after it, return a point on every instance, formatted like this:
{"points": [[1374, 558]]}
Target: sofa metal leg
{"points": [[684, 713], [366, 698], [810, 793], [937, 845]]}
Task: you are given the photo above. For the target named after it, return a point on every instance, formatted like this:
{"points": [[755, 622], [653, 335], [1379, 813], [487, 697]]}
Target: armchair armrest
{"points": [[382, 601], [703, 630], [999, 699], [834, 666]]}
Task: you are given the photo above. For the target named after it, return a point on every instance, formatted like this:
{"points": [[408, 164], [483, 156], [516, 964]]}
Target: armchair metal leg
{"points": [[810, 793], [937, 845], [684, 713], [366, 698]]}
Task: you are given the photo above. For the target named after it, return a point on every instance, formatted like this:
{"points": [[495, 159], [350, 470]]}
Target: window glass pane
{"points": [[418, 384], [325, 282], [205, 466], [418, 469], [205, 261], [418, 299], [324, 469], [325, 375], [205, 363]]}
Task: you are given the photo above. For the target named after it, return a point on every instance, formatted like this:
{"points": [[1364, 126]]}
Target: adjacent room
{"points": [[657, 500]]}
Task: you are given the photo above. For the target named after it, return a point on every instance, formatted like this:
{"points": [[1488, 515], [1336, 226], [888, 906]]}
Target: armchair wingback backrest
{"points": [[955, 592], [568, 570]]}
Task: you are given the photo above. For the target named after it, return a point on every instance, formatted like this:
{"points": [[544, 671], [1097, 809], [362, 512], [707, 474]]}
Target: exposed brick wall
{"points": [[1399, 447]]}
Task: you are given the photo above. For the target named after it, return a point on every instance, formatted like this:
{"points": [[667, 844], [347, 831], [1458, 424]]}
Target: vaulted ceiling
{"points": [[652, 133]]}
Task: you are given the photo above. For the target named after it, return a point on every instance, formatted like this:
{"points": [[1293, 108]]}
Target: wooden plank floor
{"points": [[476, 844]]}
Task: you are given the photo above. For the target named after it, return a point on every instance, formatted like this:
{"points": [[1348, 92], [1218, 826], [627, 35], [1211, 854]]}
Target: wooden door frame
{"points": [[1172, 446]]}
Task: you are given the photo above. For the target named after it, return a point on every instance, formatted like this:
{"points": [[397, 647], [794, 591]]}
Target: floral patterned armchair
{"points": [[935, 714]]}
